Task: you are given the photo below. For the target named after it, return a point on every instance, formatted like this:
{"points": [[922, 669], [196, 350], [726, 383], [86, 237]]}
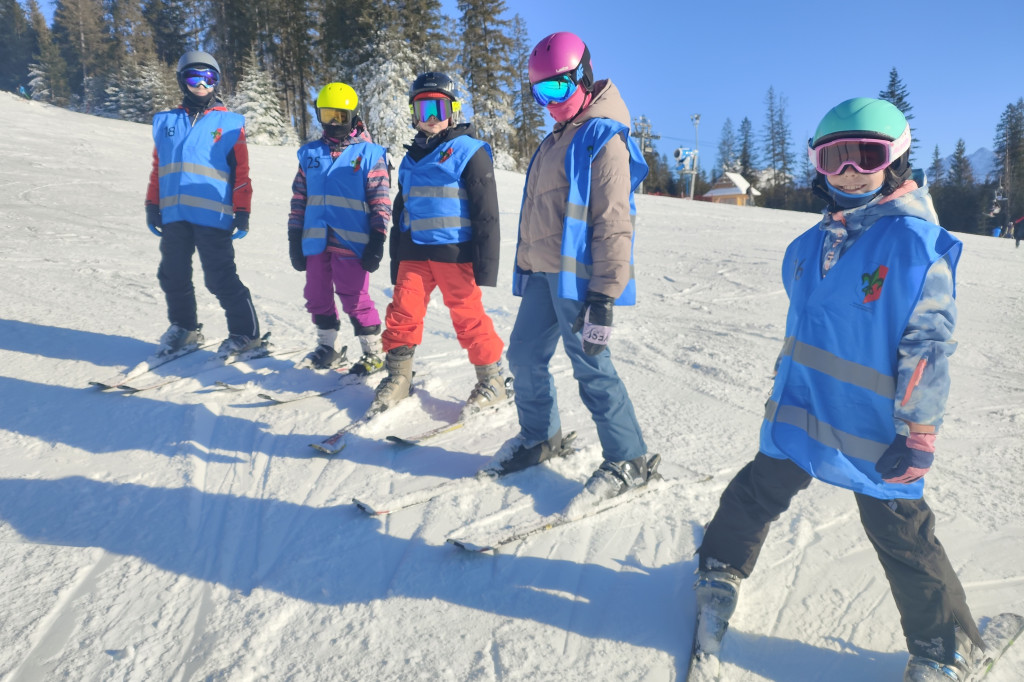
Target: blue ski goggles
{"points": [[558, 89], [440, 108], [201, 78]]}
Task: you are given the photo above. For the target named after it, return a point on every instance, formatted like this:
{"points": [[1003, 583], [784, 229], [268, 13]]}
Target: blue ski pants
{"points": [[543, 319]]}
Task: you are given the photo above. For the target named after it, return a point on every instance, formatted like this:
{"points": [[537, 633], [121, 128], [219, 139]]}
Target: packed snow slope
{"points": [[189, 532]]}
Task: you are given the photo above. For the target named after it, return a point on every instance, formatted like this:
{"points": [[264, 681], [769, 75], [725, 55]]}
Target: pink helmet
{"points": [[560, 53]]}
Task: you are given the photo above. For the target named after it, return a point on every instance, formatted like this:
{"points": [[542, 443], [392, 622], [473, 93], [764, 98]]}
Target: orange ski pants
{"points": [[463, 298]]}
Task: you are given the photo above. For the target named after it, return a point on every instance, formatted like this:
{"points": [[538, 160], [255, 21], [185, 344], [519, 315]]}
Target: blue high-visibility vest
{"points": [[336, 194], [435, 206], [831, 409], [577, 262], [195, 177]]}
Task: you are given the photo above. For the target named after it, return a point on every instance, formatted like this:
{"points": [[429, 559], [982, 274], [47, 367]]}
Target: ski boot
{"points": [[372, 360], [398, 383], [242, 347], [612, 479], [517, 454], [178, 338], [324, 356], [967, 658], [492, 388]]}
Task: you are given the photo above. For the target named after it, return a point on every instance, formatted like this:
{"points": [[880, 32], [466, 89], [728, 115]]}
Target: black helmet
{"points": [[433, 81]]}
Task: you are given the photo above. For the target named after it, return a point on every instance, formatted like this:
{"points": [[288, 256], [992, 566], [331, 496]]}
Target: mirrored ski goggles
{"points": [[558, 89], [207, 78], [866, 155], [333, 117], [440, 108]]}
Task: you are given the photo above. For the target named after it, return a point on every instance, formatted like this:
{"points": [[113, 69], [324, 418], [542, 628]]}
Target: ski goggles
{"points": [[441, 108], [866, 155], [558, 89], [195, 78], [330, 116]]}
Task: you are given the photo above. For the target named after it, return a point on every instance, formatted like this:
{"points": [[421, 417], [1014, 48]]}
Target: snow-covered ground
{"points": [[188, 533]]}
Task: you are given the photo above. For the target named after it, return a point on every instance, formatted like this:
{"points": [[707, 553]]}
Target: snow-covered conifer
{"points": [[257, 100]]}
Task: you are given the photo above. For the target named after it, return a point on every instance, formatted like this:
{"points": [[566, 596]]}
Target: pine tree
{"points": [[529, 119], [937, 171], [48, 79], [86, 45], [489, 74], [294, 57], [896, 93], [1009, 151], [141, 89], [382, 83], [256, 99], [961, 174], [746, 158], [727, 161], [776, 177], [15, 45], [166, 19]]}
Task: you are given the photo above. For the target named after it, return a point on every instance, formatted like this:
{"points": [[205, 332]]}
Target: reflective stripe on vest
{"points": [[576, 257], [193, 168], [336, 194], [831, 409], [435, 205]]}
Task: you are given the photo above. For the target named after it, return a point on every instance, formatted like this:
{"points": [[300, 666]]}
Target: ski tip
{"points": [[470, 546], [328, 450], [369, 508], [398, 440]]}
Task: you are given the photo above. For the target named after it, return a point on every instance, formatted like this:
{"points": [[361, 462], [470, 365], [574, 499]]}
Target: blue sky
{"points": [[962, 62]]}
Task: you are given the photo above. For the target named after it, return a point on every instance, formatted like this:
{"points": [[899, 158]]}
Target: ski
{"points": [[494, 541], [999, 633], [455, 425], [145, 367], [344, 381], [449, 487], [332, 445], [261, 351]]}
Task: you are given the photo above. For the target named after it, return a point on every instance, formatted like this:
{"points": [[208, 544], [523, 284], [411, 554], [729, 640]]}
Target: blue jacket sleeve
{"points": [[922, 384]]}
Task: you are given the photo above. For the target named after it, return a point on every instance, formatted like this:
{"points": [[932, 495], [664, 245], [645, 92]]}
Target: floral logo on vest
{"points": [[873, 283], [357, 163], [446, 154], [217, 134]]}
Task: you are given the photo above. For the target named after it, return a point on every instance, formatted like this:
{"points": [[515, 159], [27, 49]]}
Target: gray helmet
{"points": [[196, 58]]}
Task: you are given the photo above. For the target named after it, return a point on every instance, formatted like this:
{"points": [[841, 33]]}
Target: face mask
{"points": [[564, 111]]}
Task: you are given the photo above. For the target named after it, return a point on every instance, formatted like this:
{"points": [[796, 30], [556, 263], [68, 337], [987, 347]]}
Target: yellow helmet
{"points": [[337, 96]]}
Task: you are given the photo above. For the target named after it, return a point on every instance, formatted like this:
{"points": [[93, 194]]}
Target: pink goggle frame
{"points": [[866, 155]]}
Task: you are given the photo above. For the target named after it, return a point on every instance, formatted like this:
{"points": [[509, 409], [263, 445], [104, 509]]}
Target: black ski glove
{"points": [[374, 251], [595, 319], [240, 225], [153, 220], [295, 250]]}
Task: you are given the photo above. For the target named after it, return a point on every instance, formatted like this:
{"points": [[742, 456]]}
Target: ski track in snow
{"points": [[190, 533]]}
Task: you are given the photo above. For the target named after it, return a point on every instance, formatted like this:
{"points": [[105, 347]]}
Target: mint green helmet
{"points": [[862, 117]]}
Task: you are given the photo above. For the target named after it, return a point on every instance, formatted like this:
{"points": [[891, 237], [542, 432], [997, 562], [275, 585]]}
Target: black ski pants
{"points": [[927, 591], [179, 242]]}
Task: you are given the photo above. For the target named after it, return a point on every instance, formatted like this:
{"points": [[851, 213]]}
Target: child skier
{"points": [[445, 235], [574, 262], [199, 194], [337, 226], [860, 388]]}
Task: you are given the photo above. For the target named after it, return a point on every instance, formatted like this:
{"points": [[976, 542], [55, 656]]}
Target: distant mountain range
{"points": [[983, 163]]}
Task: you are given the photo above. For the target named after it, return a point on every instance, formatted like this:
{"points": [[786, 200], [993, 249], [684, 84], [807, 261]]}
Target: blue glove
{"points": [[907, 459], [240, 225], [153, 220]]}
